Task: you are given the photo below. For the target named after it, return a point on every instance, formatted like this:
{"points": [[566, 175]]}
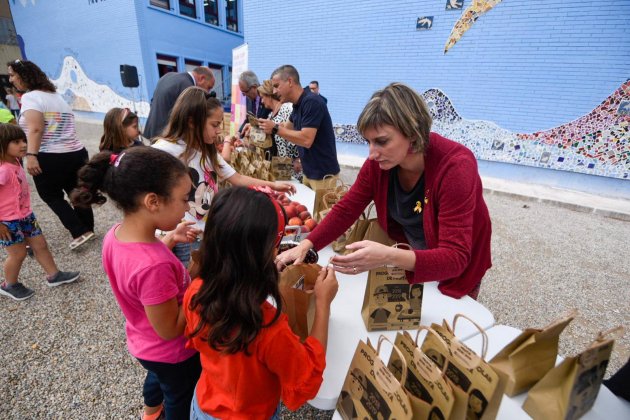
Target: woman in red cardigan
{"points": [[427, 193]]}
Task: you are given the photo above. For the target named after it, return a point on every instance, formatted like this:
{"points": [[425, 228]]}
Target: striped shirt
{"points": [[59, 135]]}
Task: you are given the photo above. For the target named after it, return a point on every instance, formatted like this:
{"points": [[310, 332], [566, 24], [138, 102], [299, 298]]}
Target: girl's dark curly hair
{"points": [[237, 269], [125, 177], [32, 76]]}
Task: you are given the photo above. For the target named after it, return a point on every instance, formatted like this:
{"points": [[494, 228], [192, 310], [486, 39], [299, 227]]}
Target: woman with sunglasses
{"points": [[194, 128], [54, 154]]}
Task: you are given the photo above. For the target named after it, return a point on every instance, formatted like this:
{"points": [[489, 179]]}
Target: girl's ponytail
{"points": [[91, 181]]}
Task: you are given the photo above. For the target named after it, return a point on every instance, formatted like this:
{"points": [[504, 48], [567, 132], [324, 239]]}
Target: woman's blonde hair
{"points": [[267, 89], [187, 122], [401, 107]]}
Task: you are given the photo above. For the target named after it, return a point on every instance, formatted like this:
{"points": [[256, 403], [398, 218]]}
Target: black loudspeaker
{"points": [[129, 76]]}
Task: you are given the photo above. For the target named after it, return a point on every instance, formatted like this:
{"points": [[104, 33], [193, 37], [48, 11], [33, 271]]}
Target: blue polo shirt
{"points": [[321, 159]]}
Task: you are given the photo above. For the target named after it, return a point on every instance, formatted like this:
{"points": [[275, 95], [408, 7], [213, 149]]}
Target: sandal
{"points": [[77, 242]]}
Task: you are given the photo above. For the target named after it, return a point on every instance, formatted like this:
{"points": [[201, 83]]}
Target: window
{"points": [[166, 64], [231, 13], [191, 64], [188, 8], [211, 12], [164, 4], [218, 80]]}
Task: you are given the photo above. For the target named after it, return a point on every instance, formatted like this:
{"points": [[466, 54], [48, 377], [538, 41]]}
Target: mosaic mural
{"points": [[84, 94], [597, 143], [469, 17]]}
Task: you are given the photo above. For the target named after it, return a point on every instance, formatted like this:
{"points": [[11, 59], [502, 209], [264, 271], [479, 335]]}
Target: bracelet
{"points": [[227, 142], [31, 154]]}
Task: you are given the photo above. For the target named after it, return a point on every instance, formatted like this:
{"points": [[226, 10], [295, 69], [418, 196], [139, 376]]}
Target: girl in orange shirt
{"points": [[250, 358]]}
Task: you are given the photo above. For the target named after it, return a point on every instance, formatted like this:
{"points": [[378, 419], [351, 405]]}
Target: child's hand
{"points": [[185, 232], [326, 286], [5, 235], [285, 187]]}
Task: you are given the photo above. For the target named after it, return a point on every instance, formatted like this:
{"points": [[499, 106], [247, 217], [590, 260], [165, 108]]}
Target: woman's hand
{"points": [[285, 187], [294, 255], [32, 165], [366, 255], [5, 234]]}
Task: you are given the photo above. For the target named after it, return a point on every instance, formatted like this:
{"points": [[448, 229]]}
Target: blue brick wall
{"points": [[99, 35], [526, 65]]}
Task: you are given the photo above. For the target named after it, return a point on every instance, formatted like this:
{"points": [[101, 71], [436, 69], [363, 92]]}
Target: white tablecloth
{"points": [[346, 326]]}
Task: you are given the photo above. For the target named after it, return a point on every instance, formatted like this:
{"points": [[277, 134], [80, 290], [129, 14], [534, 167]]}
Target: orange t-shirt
{"points": [[236, 386]]}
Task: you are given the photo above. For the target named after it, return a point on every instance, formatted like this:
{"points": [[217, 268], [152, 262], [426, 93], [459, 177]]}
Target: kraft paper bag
{"points": [[476, 386], [430, 395], [257, 135], [370, 390], [282, 167], [298, 301], [569, 390], [529, 356], [330, 184], [355, 233], [390, 302], [327, 202]]}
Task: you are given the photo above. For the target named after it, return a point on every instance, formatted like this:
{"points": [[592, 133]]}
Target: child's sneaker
{"points": [[63, 277], [16, 291]]}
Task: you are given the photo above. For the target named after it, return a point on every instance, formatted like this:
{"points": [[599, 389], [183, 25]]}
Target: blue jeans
{"points": [[197, 414], [171, 383], [182, 252]]}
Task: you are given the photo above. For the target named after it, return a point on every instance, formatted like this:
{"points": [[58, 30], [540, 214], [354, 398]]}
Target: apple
{"points": [[310, 224], [290, 211], [301, 208], [295, 221], [305, 215]]}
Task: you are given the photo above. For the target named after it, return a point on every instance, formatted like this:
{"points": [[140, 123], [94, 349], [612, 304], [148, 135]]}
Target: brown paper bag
{"points": [[476, 386], [430, 395], [282, 167], [529, 356], [330, 185], [370, 390], [358, 230], [569, 390], [298, 301], [257, 136], [390, 302]]}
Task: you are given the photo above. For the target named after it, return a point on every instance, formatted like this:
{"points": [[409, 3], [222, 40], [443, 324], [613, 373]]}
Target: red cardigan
{"points": [[456, 222]]}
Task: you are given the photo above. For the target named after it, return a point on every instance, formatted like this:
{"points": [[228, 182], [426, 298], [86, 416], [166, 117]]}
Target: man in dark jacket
{"points": [[166, 92]]}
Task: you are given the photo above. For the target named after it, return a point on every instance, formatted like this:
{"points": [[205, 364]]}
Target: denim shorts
{"points": [[20, 229], [197, 414]]}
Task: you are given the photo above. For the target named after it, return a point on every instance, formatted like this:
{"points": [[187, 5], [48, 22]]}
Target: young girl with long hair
{"points": [[151, 187], [18, 225], [250, 357], [120, 130], [193, 129]]}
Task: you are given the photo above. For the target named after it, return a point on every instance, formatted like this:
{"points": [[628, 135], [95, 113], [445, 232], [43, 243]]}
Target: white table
{"points": [[346, 326], [607, 405]]}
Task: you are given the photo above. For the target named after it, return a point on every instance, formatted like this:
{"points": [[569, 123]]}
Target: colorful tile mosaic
{"points": [[597, 143], [469, 17]]}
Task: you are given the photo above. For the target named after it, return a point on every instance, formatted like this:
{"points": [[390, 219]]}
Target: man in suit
{"points": [[166, 92], [248, 84], [314, 87]]}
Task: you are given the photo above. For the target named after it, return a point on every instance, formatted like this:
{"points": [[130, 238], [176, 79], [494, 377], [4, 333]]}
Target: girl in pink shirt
{"points": [[18, 225], [151, 187]]}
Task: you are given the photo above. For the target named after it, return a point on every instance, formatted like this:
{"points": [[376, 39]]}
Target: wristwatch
{"points": [[275, 129], [31, 154]]}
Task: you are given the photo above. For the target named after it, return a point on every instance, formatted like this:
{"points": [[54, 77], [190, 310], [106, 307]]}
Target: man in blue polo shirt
{"points": [[309, 127]]}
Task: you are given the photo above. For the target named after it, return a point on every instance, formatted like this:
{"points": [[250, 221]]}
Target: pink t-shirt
{"points": [[15, 197], [143, 274]]}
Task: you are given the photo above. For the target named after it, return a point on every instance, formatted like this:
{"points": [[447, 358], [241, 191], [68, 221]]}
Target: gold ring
{"points": [[354, 269]]}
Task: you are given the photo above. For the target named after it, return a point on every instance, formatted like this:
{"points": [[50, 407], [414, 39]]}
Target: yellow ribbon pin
{"points": [[418, 208]]}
